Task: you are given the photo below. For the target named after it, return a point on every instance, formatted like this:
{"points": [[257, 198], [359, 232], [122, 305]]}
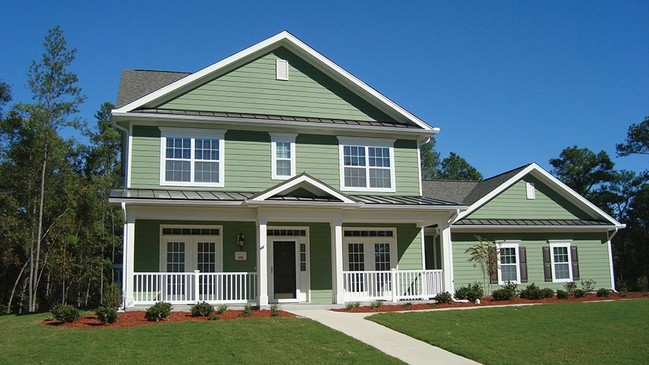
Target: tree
{"points": [[455, 167], [637, 140], [583, 170], [5, 95], [430, 161], [56, 98], [484, 254]]}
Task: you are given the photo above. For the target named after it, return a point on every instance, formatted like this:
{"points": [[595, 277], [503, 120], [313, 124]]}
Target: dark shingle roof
{"points": [[135, 84]]}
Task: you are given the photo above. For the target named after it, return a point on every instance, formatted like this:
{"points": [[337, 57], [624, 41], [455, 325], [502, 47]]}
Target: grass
{"points": [[567, 333], [252, 341]]}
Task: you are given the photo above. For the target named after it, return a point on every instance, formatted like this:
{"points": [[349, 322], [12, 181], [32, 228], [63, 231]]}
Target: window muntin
{"points": [[282, 155], [206, 260], [191, 158], [175, 256], [382, 256], [508, 263], [367, 167], [356, 253], [561, 262]]}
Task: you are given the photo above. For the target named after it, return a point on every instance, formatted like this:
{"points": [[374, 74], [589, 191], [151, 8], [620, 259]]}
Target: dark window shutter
{"points": [[547, 264], [522, 257], [575, 263], [493, 278]]}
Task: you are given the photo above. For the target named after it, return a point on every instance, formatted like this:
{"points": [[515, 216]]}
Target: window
{"points": [[191, 157], [382, 256], [367, 165], [282, 155], [187, 248], [508, 269], [561, 262]]}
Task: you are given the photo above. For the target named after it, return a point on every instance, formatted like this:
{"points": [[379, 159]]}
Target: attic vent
{"points": [[281, 69], [531, 192]]}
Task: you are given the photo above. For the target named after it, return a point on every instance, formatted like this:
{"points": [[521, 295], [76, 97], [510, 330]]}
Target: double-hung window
{"points": [[282, 155], [561, 262], [508, 263], [191, 157], [367, 165]]}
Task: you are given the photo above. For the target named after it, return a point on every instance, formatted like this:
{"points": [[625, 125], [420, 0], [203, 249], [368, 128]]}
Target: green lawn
{"points": [[24, 340], [567, 333]]}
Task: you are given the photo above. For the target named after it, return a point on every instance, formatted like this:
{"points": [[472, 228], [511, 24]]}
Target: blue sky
{"points": [[508, 82]]}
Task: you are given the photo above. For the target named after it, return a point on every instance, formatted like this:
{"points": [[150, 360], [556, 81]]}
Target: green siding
{"points": [[147, 244], [406, 167], [247, 161], [318, 156], [513, 203], [408, 243], [592, 252], [252, 88], [145, 157]]}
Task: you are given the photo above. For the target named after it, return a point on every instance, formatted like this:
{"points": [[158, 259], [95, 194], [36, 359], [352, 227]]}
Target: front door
{"points": [[284, 283]]}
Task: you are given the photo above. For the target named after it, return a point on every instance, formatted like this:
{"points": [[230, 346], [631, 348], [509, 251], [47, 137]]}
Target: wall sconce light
{"points": [[241, 239]]}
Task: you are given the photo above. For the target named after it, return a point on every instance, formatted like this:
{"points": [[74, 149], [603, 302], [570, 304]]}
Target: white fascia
{"points": [[299, 180]]}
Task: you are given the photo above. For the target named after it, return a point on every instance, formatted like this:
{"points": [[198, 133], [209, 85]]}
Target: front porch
{"points": [[242, 287]]}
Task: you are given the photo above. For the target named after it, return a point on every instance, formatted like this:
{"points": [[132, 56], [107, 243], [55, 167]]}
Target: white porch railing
{"points": [[194, 287], [391, 285]]}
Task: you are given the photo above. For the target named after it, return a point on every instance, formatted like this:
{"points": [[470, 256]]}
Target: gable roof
{"points": [[317, 191], [477, 194], [283, 39], [136, 84]]}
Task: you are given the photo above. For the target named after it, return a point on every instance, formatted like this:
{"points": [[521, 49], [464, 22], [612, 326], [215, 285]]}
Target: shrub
{"points": [[570, 286], [375, 304], [222, 308], [112, 297], [588, 285], [642, 283], [203, 309], [274, 309], [352, 305], [106, 314], [511, 286], [531, 292], [503, 294], [158, 311], [3, 310], [562, 294], [407, 304], [65, 313], [443, 297], [547, 293], [213, 317], [247, 310], [471, 292], [461, 292], [580, 293], [603, 292]]}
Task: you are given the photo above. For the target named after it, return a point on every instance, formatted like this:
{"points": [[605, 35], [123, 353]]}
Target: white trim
{"points": [[610, 264], [286, 138], [419, 172], [558, 186], [366, 143], [191, 260], [518, 228], [193, 134], [299, 180], [302, 278], [129, 149], [556, 244], [369, 242], [294, 44], [509, 244], [281, 69], [530, 190]]}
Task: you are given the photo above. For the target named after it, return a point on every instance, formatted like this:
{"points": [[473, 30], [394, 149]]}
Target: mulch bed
{"points": [[136, 318], [486, 301]]}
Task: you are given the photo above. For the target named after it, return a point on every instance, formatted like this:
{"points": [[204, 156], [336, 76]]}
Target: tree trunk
{"points": [[13, 290], [32, 304]]}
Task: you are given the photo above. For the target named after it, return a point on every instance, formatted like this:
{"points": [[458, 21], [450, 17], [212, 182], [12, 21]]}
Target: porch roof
{"points": [[531, 222], [161, 195]]}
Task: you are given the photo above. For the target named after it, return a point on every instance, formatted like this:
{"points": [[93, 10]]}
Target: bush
{"points": [[462, 292], [247, 310], [158, 311], [562, 294], [106, 314], [547, 293], [588, 285], [642, 283], [3, 310], [443, 297], [203, 309], [65, 313], [274, 309], [352, 305], [511, 286], [580, 293], [112, 297], [471, 292], [376, 304], [503, 294], [222, 308], [603, 292], [531, 292], [570, 286], [213, 317]]}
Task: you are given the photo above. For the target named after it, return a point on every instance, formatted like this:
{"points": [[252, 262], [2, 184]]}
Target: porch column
{"points": [[447, 259], [262, 262], [128, 262], [337, 262]]}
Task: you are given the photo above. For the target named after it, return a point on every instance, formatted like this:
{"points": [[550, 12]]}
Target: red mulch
{"points": [[136, 318], [486, 301]]}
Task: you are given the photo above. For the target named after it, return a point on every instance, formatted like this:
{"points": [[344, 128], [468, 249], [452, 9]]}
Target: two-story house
{"points": [[275, 175]]}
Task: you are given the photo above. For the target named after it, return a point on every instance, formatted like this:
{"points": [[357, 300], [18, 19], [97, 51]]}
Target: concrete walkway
{"points": [[393, 343]]}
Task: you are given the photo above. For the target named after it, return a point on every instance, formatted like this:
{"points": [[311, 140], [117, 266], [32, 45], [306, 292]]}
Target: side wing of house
{"points": [[544, 233]]}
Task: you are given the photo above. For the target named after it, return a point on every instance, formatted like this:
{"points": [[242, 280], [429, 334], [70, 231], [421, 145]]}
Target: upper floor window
{"points": [[191, 157], [367, 165], [282, 155]]}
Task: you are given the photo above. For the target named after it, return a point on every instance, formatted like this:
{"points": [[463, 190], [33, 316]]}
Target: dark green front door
{"points": [[284, 269]]}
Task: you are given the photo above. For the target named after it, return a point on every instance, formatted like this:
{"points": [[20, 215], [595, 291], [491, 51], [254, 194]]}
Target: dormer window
{"points": [[367, 165], [191, 157]]}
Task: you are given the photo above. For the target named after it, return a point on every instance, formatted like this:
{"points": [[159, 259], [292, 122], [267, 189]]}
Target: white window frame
{"points": [[368, 247], [278, 138], [567, 245], [514, 245], [191, 246], [366, 143], [193, 134]]}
